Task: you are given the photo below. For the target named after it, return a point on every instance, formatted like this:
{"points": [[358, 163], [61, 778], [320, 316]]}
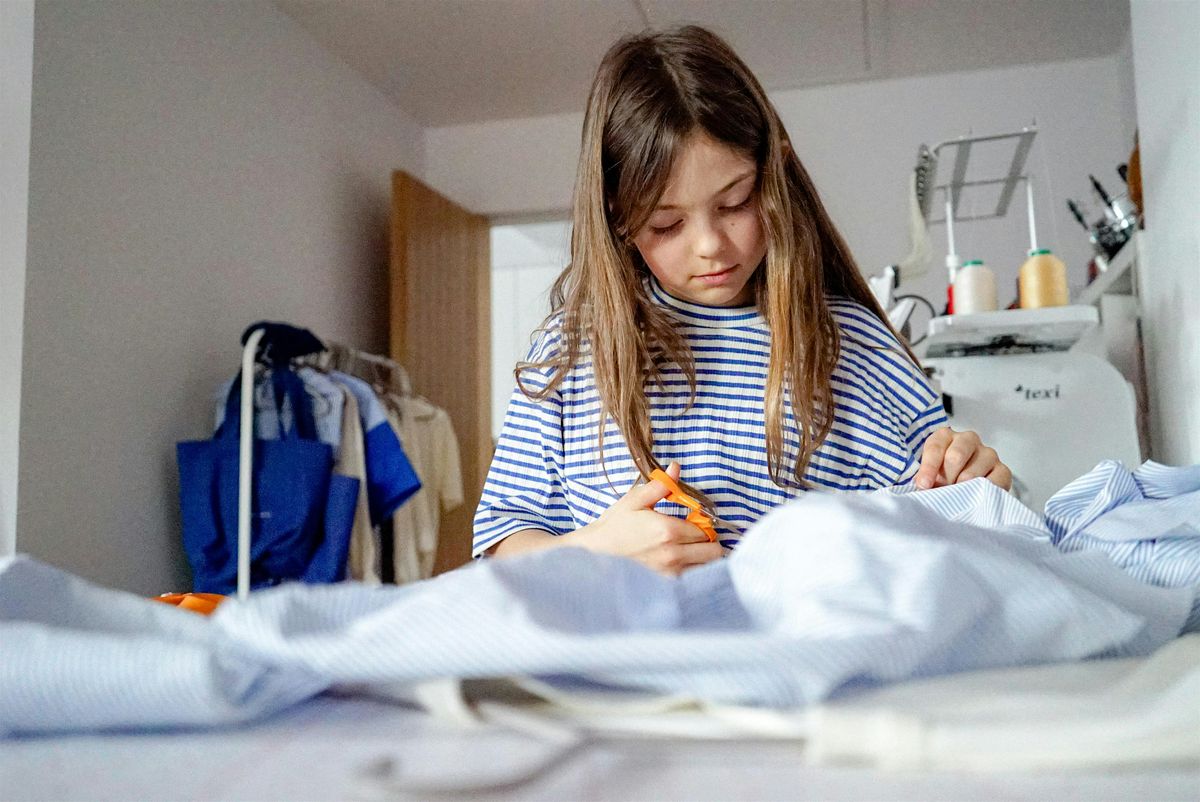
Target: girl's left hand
{"points": [[950, 457]]}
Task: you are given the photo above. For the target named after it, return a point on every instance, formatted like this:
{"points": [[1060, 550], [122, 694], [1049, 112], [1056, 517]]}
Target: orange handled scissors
{"points": [[699, 516]]}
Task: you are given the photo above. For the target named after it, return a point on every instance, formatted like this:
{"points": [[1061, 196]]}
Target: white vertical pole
{"points": [[950, 225], [245, 455], [1033, 246], [953, 262], [16, 99]]}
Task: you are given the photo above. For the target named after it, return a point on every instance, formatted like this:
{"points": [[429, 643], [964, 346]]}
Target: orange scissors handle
{"points": [[698, 517], [203, 603]]}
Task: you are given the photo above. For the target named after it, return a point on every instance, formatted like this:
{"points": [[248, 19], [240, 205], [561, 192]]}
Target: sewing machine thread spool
{"points": [[1043, 281], [974, 288]]}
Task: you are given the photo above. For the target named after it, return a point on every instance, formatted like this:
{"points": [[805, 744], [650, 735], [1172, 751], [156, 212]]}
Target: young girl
{"points": [[713, 319]]}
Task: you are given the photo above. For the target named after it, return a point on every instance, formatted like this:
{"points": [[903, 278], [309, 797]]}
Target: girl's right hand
{"points": [[631, 528]]}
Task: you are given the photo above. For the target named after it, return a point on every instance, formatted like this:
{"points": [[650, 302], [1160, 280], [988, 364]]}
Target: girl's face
{"points": [[704, 240]]}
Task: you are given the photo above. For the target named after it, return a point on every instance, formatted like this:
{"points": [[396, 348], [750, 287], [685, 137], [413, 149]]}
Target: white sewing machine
{"points": [[1051, 413]]}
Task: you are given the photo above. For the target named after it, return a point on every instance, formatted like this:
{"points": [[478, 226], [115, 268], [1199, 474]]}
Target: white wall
{"points": [[195, 167], [16, 81], [508, 167], [1167, 75], [859, 141], [526, 259]]}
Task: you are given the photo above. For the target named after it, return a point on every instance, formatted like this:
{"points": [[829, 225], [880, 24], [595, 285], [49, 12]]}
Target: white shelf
{"points": [[1118, 279]]}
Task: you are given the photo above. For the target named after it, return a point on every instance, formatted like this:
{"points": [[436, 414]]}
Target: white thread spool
{"points": [[974, 289]]}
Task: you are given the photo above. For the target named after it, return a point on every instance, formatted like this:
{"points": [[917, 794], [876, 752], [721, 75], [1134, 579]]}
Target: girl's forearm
{"points": [[525, 541]]}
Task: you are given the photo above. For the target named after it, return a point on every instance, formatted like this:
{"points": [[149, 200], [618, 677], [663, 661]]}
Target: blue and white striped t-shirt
{"points": [[547, 474]]}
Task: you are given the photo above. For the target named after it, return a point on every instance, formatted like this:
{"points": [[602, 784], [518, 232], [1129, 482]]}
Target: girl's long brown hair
{"points": [[651, 93]]}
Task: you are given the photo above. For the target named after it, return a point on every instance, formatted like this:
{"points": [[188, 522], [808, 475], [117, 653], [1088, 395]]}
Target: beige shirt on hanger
{"points": [[428, 438], [351, 461]]}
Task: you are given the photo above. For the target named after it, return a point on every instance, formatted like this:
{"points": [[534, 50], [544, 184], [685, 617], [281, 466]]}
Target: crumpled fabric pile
{"points": [[826, 596]]}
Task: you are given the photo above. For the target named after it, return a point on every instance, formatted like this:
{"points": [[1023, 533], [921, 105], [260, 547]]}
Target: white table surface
{"points": [[322, 750]]}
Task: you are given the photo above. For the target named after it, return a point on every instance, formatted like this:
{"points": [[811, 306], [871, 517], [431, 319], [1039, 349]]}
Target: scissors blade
{"points": [[718, 521]]}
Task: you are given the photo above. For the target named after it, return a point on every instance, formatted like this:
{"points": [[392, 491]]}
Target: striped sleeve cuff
{"points": [[489, 533]]}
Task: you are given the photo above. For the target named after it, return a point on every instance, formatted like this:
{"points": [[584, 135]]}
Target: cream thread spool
{"points": [[974, 289], [1043, 281]]}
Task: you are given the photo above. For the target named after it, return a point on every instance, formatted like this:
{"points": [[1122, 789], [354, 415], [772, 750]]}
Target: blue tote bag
{"points": [[301, 513]]}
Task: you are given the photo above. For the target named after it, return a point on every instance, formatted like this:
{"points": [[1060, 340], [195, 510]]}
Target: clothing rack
{"points": [[397, 379], [351, 360], [245, 458]]}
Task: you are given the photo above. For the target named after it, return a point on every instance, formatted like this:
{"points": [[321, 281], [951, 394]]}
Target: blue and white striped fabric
{"points": [[548, 474], [826, 594], [1145, 521]]}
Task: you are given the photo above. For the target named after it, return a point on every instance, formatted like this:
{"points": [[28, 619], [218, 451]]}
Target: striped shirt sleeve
{"points": [[873, 355], [930, 417], [524, 487]]}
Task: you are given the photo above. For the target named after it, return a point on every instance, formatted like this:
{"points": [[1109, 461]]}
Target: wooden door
{"points": [[440, 324]]}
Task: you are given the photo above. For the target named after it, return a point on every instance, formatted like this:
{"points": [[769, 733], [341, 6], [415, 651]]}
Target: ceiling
{"points": [[450, 62]]}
